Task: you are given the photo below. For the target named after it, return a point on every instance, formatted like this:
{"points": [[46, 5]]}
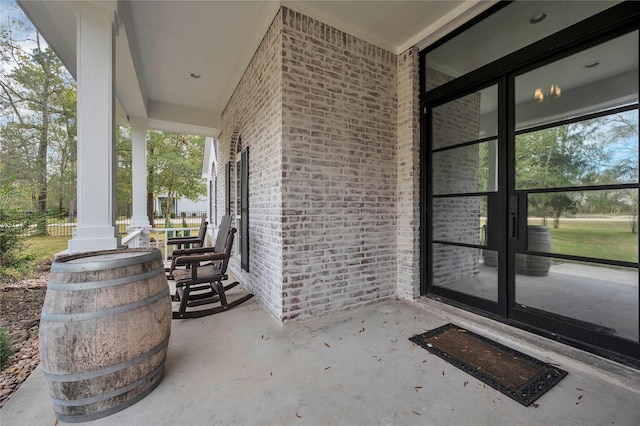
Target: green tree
{"points": [[36, 93], [563, 156], [174, 167], [123, 172]]}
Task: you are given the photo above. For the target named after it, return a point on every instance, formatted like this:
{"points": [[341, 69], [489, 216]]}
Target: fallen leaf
{"points": [[298, 416], [417, 388], [581, 390], [580, 397], [326, 368], [443, 372], [535, 405], [271, 373], [262, 337], [327, 345], [465, 384], [416, 413]]}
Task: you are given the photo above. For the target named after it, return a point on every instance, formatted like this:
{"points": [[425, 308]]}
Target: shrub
{"points": [[184, 225], [169, 224], [13, 226], [6, 350]]}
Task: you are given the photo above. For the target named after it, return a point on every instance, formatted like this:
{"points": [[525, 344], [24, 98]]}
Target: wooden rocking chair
{"points": [[202, 284], [223, 230]]}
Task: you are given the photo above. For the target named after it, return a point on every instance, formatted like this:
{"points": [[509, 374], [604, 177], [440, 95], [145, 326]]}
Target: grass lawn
{"points": [[602, 239], [44, 247]]}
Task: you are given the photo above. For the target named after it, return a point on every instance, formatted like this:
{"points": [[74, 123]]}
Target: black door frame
{"points": [[607, 25]]}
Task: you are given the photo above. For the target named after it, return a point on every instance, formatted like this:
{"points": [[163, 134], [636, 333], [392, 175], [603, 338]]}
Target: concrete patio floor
{"points": [[356, 367]]}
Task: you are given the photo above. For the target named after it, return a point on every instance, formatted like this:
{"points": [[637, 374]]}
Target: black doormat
{"points": [[517, 375]]}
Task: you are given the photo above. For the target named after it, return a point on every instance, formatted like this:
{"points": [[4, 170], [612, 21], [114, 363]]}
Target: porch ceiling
{"points": [[160, 44]]}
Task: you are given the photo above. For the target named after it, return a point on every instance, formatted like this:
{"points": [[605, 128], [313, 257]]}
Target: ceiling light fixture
{"points": [[592, 64], [538, 18], [194, 75], [554, 92]]}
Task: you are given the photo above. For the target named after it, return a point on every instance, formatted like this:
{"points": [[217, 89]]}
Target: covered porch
{"points": [[349, 368], [327, 98]]}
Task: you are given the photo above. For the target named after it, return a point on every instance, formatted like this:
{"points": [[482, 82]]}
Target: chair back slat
{"points": [[202, 232], [227, 251], [223, 230]]}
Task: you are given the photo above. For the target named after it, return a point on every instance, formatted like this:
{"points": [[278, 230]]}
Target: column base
{"points": [[93, 239]]}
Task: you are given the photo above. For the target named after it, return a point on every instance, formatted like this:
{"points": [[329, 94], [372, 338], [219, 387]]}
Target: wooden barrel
{"points": [[538, 239], [104, 331]]}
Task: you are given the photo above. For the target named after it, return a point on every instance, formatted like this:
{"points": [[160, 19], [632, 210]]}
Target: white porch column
{"points": [[139, 219], [139, 172], [96, 139]]}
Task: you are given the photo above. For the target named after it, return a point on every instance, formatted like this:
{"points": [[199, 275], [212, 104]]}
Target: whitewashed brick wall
{"points": [[339, 169], [408, 181], [334, 169], [254, 113]]}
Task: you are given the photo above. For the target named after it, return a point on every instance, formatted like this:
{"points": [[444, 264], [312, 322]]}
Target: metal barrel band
{"points": [[65, 266], [93, 285], [83, 316], [104, 413], [107, 395], [107, 370]]}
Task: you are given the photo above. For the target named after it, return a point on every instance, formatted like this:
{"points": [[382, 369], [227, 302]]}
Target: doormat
{"points": [[517, 375]]}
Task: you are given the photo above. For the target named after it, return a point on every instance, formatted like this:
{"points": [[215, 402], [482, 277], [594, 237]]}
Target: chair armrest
{"points": [[196, 250], [182, 240], [194, 260]]}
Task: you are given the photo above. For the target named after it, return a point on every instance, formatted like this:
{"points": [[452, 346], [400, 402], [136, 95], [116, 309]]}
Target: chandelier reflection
{"points": [[554, 92]]}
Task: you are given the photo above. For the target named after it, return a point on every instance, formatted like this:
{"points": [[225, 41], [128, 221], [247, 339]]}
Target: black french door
{"points": [[531, 192]]}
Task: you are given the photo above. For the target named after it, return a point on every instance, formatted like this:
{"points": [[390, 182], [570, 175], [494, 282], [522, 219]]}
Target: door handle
{"points": [[513, 217]]}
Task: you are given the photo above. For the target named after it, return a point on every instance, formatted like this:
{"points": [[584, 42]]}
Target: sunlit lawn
{"points": [[44, 247], [600, 239]]}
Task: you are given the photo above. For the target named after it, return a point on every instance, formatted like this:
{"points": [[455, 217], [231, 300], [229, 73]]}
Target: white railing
{"points": [[132, 240], [161, 243]]}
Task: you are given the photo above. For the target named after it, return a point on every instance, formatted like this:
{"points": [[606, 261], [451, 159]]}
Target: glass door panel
{"points": [[594, 80], [588, 295], [464, 176], [575, 179], [597, 224]]}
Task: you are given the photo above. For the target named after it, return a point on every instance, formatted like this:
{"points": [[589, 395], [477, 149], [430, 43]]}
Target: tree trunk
{"points": [[150, 214], [41, 161]]}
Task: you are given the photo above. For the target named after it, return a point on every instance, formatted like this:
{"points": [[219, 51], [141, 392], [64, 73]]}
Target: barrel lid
{"points": [[104, 259]]}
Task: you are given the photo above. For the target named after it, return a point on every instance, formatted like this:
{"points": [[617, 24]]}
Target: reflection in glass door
{"points": [[533, 204], [576, 182], [464, 159]]}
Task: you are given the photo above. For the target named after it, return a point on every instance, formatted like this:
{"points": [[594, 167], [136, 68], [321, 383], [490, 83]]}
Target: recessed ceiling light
{"points": [[592, 64], [193, 75], [539, 17]]}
